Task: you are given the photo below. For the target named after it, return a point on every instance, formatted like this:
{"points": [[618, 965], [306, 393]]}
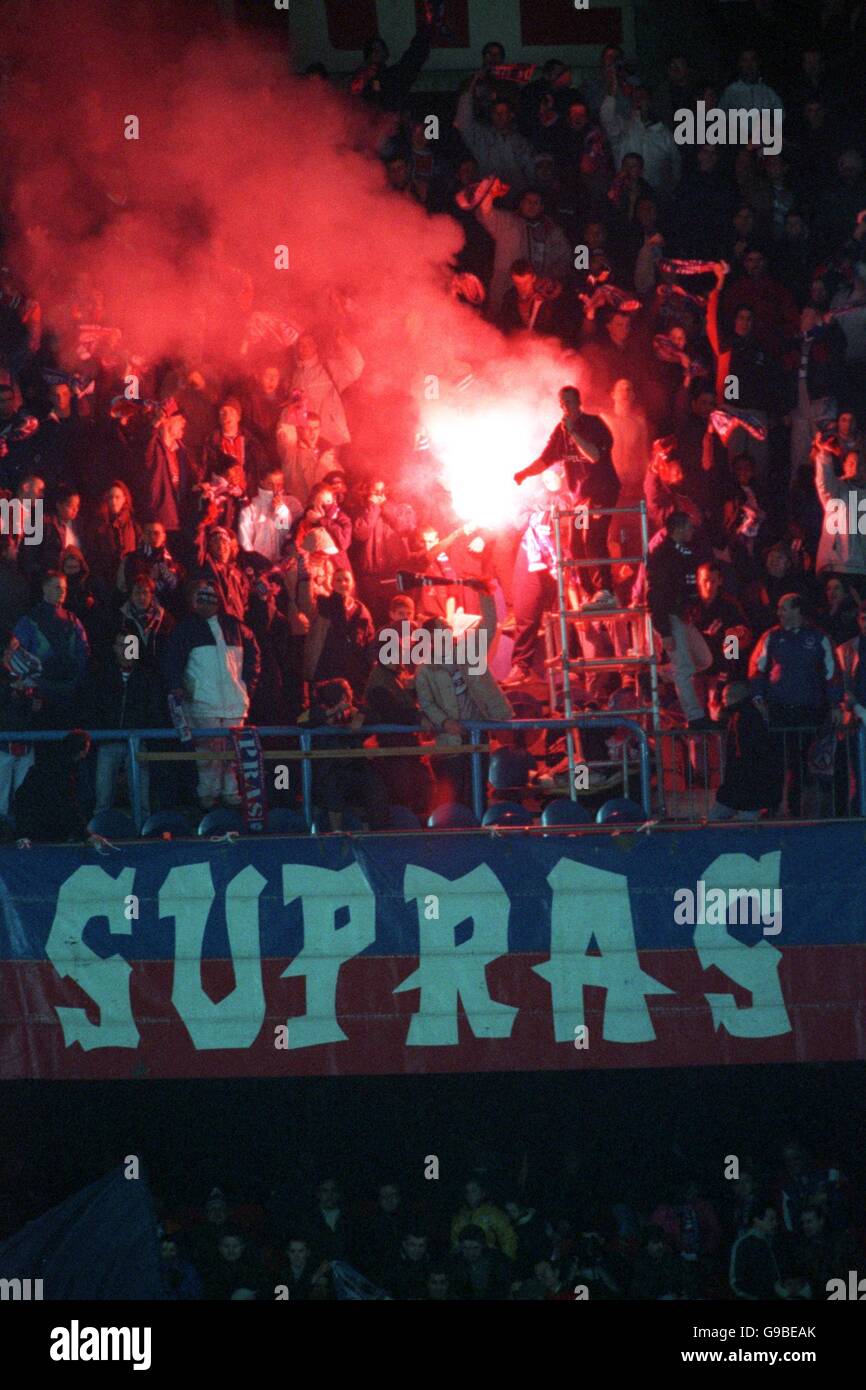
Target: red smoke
{"points": [[234, 159]]}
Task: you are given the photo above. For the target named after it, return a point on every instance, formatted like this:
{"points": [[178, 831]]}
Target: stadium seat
{"points": [[285, 820], [401, 818], [620, 810], [563, 811], [221, 820], [507, 813], [452, 816], [114, 825], [510, 769], [165, 822]]}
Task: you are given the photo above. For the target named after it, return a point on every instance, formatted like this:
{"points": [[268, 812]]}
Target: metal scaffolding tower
{"points": [[638, 615]]}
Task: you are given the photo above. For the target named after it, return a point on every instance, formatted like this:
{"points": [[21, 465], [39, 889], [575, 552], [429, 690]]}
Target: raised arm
{"points": [[722, 269]]}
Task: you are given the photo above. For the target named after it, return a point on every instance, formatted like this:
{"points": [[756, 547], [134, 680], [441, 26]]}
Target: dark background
{"points": [[592, 1137]]}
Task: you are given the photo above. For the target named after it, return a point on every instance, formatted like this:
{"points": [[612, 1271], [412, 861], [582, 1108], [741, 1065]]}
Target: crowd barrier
{"points": [[307, 755], [689, 766]]}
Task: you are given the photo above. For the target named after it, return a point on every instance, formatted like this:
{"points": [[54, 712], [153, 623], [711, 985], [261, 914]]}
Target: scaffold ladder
{"points": [[568, 665]]}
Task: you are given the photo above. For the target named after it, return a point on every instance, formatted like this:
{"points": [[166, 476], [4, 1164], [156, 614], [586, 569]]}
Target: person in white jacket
{"points": [[641, 133], [322, 381], [526, 235], [212, 663], [747, 92], [265, 522], [842, 547]]}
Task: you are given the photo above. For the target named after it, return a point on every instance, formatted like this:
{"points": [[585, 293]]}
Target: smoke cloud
{"points": [[180, 229]]}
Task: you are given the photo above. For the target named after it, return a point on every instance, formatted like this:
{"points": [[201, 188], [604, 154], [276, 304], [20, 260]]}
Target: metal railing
{"points": [[692, 763], [693, 767], [476, 750]]}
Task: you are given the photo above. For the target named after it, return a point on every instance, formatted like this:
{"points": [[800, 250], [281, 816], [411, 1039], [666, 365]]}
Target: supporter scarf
{"points": [[679, 267], [725, 423], [251, 777], [669, 352], [607, 295], [673, 296], [147, 619], [513, 72]]}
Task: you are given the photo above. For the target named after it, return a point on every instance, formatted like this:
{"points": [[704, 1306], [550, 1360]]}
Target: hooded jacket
{"points": [[216, 661]]}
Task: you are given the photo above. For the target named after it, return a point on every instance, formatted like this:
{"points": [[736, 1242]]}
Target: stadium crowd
{"points": [[777, 1235], [214, 544]]}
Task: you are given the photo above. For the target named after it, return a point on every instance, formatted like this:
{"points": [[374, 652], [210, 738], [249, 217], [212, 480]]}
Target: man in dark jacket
{"points": [[754, 1272], [407, 1277], [145, 619], [45, 806], [123, 692], [752, 778], [59, 529], [672, 594], [388, 86], [164, 490], [478, 1271], [389, 698], [722, 622], [56, 638], [583, 443], [793, 670], [379, 546], [531, 304]]}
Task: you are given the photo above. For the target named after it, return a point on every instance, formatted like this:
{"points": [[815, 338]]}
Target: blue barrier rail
{"points": [[135, 738], [305, 737]]}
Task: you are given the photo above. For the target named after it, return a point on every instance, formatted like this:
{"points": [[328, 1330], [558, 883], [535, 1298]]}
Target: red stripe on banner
{"points": [[824, 990], [351, 23], [547, 24]]}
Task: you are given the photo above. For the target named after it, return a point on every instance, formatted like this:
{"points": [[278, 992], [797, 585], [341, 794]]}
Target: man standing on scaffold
{"points": [[583, 444]]}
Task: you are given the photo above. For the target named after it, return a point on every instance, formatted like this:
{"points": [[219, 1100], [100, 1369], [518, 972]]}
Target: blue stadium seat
{"points": [[620, 810], [509, 769], [220, 820], [507, 813], [401, 818], [451, 816], [563, 811], [114, 825], [285, 820], [165, 822]]}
